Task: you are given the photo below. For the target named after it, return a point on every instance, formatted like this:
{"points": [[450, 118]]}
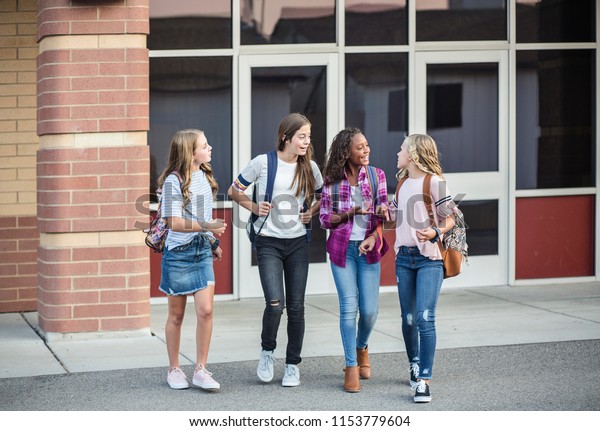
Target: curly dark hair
{"points": [[338, 155]]}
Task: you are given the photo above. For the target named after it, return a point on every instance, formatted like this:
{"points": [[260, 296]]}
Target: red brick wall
{"points": [[93, 165], [19, 240], [91, 189], [92, 90]]}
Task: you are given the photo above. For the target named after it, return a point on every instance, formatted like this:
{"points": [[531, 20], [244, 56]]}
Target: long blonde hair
{"points": [[304, 177], [424, 154], [181, 155]]}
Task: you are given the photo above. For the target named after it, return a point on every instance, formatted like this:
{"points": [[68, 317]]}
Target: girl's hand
{"points": [[425, 234], [217, 253], [217, 226], [263, 209], [305, 216], [358, 211], [383, 212], [367, 245]]}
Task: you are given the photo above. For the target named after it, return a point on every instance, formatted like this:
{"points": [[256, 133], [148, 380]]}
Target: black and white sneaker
{"points": [[414, 374], [422, 394]]}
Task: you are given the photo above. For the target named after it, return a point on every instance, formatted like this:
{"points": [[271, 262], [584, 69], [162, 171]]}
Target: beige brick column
{"points": [[18, 145], [92, 166]]}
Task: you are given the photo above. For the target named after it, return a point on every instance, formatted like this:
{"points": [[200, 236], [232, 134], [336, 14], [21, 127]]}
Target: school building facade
{"points": [[92, 91]]}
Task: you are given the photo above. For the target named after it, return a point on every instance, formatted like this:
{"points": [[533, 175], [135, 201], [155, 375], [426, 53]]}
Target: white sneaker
{"points": [[177, 379], [291, 377], [203, 378], [265, 365]]}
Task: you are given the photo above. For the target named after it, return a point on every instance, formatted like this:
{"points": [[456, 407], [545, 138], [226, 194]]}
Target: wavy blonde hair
{"points": [[422, 150], [181, 155]]}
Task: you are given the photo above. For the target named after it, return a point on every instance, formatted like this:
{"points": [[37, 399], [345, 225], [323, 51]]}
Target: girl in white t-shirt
{"points": [[419, 269], [282, 248]]}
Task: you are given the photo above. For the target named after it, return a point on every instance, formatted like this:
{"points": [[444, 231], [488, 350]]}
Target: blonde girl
{"points": [[188, 190], [419, 269]]}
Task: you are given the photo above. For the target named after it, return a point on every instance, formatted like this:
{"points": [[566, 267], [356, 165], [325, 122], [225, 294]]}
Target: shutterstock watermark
{"points": [[286, 211]]}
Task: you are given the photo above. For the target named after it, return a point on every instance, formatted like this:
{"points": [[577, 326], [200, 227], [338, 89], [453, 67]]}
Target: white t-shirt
{"points": [[284, 218], [359, 222]]}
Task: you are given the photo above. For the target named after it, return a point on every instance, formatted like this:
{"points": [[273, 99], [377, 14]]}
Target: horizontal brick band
{"points": [[59, 17]]}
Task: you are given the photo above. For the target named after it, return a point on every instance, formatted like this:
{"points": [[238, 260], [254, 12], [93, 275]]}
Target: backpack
{"points": [[374, 185], [453, 246], [156, 233], [271, 172]]}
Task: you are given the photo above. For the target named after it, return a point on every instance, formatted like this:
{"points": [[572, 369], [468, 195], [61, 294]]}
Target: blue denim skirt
{"points": [[187, 268]]}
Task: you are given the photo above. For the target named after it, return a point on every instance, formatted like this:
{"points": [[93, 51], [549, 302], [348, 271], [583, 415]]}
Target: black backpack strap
{"points": [[271, 171]]}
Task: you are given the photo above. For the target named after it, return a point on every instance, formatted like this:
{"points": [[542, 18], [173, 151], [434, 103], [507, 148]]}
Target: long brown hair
{"points": [[181, 155], [338, 155], [304, 177], [424, 154]]}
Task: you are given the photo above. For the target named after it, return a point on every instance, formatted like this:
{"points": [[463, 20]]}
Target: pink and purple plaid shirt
{"points": [[339, 236]]}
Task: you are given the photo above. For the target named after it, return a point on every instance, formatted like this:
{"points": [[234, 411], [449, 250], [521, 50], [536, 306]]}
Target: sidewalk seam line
{"points": [[45, 343]]}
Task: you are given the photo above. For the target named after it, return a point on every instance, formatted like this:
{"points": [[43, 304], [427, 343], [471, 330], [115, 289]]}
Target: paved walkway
{"points": [[466, 318], [499, 348]]}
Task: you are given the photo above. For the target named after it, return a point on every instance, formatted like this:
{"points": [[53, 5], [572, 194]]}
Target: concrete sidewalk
{"points": [[495, 316]]}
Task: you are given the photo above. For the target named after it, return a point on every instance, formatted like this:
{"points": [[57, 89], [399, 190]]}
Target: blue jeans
{"points": [[358, 291], [279, 259], [419, 282]]}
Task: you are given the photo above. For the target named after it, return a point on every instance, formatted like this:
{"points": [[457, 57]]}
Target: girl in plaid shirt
{"points": [[354, 244]]}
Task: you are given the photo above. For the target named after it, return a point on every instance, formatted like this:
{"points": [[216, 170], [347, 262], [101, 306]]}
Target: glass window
{"points": [[555, 143], [462, 115], [377, 103], [376, 22], [190, 24], [455, 20], [556, 21], [191, 93], [481, 218], [287, 22]]}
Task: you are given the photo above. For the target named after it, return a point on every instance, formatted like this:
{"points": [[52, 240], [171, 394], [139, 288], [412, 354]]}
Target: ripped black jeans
{"points": [[278, 260]]}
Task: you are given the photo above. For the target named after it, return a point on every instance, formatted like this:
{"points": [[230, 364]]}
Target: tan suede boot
{"points": [[351, 379], [364, 363]]}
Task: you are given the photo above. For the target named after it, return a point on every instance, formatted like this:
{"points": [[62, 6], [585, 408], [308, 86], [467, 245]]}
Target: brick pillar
{"points": [[18, 145], [92, 166]]}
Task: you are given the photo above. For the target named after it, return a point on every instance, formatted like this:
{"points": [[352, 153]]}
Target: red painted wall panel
{"points": [[388, 262], [555, 237], [223, 268]]}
